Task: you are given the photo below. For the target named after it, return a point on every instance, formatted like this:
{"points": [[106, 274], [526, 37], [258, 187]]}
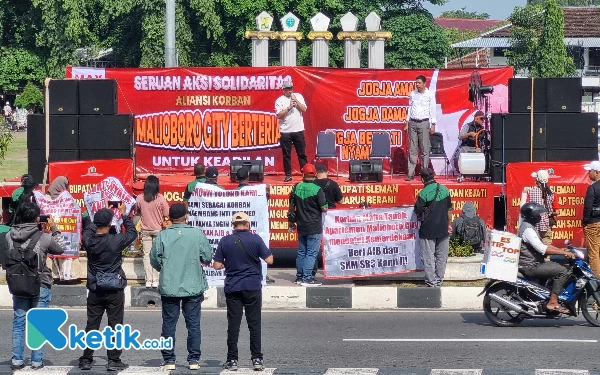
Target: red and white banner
{"points": [[66, 213], [109, 189], [214, 115], [568, 181]]}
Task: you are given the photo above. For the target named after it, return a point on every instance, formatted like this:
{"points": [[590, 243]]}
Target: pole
{"points": [[531, 124], [47, 130], [170, 49]]}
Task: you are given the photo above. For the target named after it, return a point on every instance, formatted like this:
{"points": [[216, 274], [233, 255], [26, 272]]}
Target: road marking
{"points": [[352, 371], [561, 372], [471, 340], [457, 372], [292, 311]]}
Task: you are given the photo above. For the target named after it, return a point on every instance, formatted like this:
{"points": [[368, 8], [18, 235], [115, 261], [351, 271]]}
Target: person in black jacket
{"points": [[591, 216], [104, 254]]}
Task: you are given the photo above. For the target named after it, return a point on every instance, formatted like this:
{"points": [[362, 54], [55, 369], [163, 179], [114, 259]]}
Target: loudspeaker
{"points": [[255, 167], [563, 94], [519, 95], [572, 154], [64, 132], [108, 132], [517, 131], [104, 154], [64, 97], [36, 160], [366, 170], [98, 97], [511, 156], [572, 130]]}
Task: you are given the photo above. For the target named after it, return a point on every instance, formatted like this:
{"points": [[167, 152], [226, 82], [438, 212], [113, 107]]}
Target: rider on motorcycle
{"points": [[531, 261]]}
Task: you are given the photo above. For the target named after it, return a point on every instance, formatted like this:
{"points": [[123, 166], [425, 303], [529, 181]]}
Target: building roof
{"points": [[466, 24], [473, 60]]}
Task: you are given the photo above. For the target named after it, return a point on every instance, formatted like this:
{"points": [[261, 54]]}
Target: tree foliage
{"points": [[31, 98], [570, 3], [463, 13]]}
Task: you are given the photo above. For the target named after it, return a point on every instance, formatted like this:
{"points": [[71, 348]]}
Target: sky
{"points": [[498, 10]]}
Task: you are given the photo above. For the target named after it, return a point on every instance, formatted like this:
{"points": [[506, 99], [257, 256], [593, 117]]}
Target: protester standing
{"points": [[240, 253], [212, 176], [332, 190], [199, 172], [106, 293], [421, 123], [26, 237], [433, 209], [469, 227], [591, 216], [153, 210], [542, 195], [23, 194], [61, 267], [307, 203], [178, 253]]}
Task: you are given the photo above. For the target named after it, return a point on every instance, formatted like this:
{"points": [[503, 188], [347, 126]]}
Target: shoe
{"points": [[311, 282], [116, 366], [231, 365], [35, 368], [257, 364], [17, 367], [270, 281], [194, 366], [298, 281], [155, 284], [409, 178], [168, 366], [287, 179], [148, 284], [85, 365]]}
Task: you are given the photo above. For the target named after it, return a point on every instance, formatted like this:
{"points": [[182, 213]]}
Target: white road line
{"points": [[292, 311], [457, 372], [470, 340], [561, 372], [352, 371]]}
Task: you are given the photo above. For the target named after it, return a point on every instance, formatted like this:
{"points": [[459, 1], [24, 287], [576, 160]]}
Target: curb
{"points": [[293, 297]]}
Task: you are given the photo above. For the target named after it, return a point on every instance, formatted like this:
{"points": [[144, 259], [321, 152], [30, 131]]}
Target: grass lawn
{"points": [[15, 164]]}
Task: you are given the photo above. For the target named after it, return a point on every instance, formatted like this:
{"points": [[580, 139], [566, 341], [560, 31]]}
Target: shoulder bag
{"points": [[427, 208], [250, 259]]}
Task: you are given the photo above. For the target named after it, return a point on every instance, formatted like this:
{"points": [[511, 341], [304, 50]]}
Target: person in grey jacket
{"points": [[469, 227], [22, 234]]}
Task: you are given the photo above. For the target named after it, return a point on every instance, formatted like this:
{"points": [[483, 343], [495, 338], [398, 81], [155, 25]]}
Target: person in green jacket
{"points": [[199, 172], [178, 253]]}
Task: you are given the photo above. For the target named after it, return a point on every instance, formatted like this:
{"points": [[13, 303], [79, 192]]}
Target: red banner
{"points": [[568, 181], [214, 115]]}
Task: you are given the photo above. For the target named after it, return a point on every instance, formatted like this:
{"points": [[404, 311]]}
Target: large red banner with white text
{"points": [[214, 115]]}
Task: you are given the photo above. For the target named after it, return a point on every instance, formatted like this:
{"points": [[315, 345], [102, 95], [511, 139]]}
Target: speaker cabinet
{"points": [[104, 154], [563, 94], [517, 131], [64, 97], [36, 160], [255, 167], [64, 132], [108, 132], [572, 154], [98, 97], [519, 95], [511, 156], [571, 130], [366, 170]]}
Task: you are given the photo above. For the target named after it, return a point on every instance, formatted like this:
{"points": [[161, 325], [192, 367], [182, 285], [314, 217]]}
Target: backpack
{"points": [[23, 269], [470, 231]]}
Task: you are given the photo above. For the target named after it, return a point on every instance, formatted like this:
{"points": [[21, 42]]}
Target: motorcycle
{"points": [[507, 304]]}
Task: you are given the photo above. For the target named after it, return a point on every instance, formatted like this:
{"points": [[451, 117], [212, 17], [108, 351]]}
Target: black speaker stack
{"points": [[560, 131], [366, 170], [84, 125]]}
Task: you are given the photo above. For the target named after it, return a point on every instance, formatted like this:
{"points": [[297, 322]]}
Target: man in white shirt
{"points": [[7, 110], [421, 123], [290, 109]]}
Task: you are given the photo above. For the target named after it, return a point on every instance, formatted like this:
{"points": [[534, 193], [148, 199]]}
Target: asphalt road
{"points": [[319, 339]]}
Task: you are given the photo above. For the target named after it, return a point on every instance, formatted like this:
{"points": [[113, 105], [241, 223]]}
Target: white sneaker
{"points": [[155, 284], [168, 366], [148, 284]]}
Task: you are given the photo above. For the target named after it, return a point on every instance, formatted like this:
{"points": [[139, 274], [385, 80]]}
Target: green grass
{"points": [[15, 164]]}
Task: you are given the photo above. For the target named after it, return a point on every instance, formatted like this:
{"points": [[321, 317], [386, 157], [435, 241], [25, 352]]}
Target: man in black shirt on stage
{"points": [[332, 190]]}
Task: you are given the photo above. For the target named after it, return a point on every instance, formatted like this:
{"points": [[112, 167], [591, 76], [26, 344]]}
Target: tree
{"points": [[462, 13], [570, 3], [455, 35], [31, 98], [526, 24], [553, 60], [5, 138]]}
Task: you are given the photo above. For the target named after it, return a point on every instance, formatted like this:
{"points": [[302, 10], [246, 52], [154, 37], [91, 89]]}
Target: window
{"points": [[594, 59], [499, 52], [576, 54]]}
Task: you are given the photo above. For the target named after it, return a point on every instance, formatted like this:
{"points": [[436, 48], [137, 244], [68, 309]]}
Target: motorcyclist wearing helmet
{"points": [[531, 261]]}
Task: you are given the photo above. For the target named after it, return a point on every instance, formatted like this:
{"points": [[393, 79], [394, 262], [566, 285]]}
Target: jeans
{"points": [[237, 302], [308, 248], [113, 302], [21, 305], [148, 236], [434, 253], [190, 306], [287, 140]]}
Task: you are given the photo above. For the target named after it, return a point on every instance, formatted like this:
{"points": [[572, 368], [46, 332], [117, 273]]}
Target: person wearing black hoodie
{"points": [[105, 255], [469, 227]]}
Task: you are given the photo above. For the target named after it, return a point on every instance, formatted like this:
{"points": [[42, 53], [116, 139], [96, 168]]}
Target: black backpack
{"points": [[23, 269], [470, 231]]}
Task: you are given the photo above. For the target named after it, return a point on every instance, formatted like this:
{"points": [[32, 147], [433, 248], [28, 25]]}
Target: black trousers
{"points": [[113, 302], [251, 302], [287, 140], [549, 270]]}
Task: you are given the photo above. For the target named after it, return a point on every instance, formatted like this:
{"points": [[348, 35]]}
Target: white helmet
{"points": [[7, 103]]}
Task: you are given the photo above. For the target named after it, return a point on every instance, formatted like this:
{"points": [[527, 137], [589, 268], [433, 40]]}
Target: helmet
{"points": [[532, 212]]}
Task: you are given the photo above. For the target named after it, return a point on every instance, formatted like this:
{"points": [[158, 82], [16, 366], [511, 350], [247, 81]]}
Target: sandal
{"points": [[559, 308]]}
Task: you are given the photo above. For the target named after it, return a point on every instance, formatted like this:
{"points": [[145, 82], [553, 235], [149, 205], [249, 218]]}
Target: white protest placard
{"points": [[501, 259], [370, 242], [109, 189], [211, 208], [67, 215]]}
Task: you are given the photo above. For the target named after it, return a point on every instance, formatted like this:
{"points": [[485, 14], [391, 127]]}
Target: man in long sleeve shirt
{"points": [[421, 123], [591, 219]]}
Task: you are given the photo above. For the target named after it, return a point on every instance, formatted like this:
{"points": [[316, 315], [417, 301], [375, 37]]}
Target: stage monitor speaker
{"points": [[104, 154], [572, 154], [64, 97], [64, 132], [98, 97], [108, 132], [519, 95], [572, 130], [517, 131], [563, 94], [256, 169], [36, 160], [366, 170]]}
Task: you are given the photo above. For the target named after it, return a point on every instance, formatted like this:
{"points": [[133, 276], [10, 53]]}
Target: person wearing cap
{"points": [[199, 172], [542, 195], [421, 123], [290, 108], [307, 204], [212, 174], [239, 254], [178, 253], [106, 294], [434, 210], [243, 177], [470, 140], [591, 216]]}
